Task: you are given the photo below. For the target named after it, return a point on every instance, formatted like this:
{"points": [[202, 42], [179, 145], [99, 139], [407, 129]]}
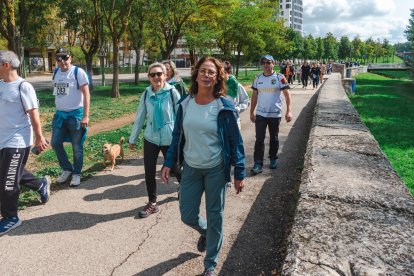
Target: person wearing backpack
{"points": [[70, 122], [157, 107], [19, 120]]}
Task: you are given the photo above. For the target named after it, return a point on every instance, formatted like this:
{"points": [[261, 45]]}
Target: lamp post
{"points": [[101, 56]]}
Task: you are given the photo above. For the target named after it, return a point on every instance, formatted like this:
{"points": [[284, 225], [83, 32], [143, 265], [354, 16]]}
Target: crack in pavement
{"points": [[337, 270], [143, 241]]}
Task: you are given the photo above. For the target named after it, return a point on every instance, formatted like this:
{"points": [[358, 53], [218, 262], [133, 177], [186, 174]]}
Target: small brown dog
{"points": [[111, 152]]}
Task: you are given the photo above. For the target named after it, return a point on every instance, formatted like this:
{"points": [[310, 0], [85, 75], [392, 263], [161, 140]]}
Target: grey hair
{"points": [[11, 58], [157, 64], [173, 68]]}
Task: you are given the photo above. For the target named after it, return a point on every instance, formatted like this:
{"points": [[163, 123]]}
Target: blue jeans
{"points": [[71, 129], [194, 183]]}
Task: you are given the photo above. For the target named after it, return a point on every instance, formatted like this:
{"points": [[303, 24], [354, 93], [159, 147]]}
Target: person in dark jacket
{"points": [[207, 141], [315, 73], [305, 74]]}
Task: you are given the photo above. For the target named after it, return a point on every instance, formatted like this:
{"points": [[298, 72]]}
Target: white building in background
{"points": [[292, 12]]}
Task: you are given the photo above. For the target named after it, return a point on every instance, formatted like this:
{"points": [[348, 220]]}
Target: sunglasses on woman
{"points": [[266, 62], [158, 74]]}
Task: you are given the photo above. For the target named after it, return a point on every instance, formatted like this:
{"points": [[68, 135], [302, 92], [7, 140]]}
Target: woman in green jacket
{"points": [[174, 78]]}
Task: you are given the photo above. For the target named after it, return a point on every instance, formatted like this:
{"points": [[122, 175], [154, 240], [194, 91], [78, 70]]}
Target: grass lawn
{"points": [[386, 107]]}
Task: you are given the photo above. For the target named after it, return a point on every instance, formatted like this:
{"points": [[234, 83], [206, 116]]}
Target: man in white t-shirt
{"points": [[19, 119], [72, 99], [268, 98]]}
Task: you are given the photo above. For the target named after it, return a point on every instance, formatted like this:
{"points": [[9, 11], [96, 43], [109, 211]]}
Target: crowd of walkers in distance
{"points": [[305, 72]]}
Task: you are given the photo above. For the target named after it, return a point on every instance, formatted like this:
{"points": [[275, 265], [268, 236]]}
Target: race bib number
{"points": [[61, 89]]}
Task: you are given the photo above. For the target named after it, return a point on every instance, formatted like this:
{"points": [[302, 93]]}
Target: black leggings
{"points": [[151, 152], [13, 173]]}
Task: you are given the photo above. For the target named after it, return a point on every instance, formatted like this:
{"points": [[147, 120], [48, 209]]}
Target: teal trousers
{"points": [[193, 184]]}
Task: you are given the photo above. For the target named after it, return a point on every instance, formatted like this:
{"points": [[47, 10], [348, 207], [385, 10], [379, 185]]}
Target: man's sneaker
{"points": [[149, 209], [75, 182], [209, 272], [7, 224], [44, 190], [63, 177], [273, 163], [201, 244], [257, 168]]}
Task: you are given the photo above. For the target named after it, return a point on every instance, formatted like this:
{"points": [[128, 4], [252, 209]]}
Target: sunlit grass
{"points": [[386, 107]]}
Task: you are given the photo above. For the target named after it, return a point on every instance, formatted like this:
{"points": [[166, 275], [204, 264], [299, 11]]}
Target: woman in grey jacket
{"points": [[207, 141], [157, 106]]}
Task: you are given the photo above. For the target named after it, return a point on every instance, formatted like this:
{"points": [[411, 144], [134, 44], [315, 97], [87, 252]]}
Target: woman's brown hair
{"points": [[220, 86]]}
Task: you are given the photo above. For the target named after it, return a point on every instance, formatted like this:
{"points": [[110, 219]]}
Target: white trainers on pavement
{"points": [[75, 182], [64, 176]]}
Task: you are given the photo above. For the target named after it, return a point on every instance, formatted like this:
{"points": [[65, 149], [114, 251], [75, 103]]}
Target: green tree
{"points": [[356, 48], [116, 14], [320, 48], [310, 47], [136, 31], [345, 48], [331, 47], [84, 18], [409, 33], [8, 27], [169, 18]]}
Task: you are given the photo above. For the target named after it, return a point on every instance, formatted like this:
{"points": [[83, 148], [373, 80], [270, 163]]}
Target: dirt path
{"points": [[111, 124]]}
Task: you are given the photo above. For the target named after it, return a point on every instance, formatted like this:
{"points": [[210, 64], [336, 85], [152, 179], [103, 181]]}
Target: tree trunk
{"points": [[115, 73], [88, 60], [238, 62], [193, 57], [137, 65]]}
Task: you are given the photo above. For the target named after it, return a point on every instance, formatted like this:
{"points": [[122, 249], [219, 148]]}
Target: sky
{"points": [[364, 18]]}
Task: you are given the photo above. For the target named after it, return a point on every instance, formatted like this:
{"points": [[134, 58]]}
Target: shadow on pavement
{"points": [[166, 266], [260, 247], [73, 221]]}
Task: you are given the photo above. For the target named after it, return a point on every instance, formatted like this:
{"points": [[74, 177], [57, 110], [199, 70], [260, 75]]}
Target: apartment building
{"points": [[292, 12]]}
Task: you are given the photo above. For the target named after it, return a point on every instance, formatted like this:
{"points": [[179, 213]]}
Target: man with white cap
{"points": [[267, 100]]}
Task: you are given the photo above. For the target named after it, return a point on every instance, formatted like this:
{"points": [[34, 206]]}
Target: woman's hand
{"points": [[165, 174], [238, 185]]}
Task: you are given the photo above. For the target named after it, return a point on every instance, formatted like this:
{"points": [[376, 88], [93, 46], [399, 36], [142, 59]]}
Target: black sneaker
{"points": [[7, 224], [201, 244], [273, 164], [44, 190], [257, 168], [149, 209], [209, 272]]}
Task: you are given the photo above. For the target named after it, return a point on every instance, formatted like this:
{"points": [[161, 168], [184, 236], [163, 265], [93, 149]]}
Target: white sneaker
{"points": [[64, 176], [75, 180]]}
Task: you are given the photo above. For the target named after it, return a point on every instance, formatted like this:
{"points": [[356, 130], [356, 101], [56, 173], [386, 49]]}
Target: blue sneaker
{"points": [[44, 190], [7, 224], [257, 168], [273, 164], [201, 244]]}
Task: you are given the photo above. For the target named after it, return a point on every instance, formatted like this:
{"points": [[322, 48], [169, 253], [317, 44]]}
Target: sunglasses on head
{"points": [[158, 74], [266, 62], [60, 58]]}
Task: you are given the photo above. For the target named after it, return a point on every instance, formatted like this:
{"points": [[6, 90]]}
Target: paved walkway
{"points": [[94, 229]]}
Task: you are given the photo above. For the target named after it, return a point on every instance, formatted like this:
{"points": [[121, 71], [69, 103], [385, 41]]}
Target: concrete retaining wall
{"points": [[354, 216]]}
